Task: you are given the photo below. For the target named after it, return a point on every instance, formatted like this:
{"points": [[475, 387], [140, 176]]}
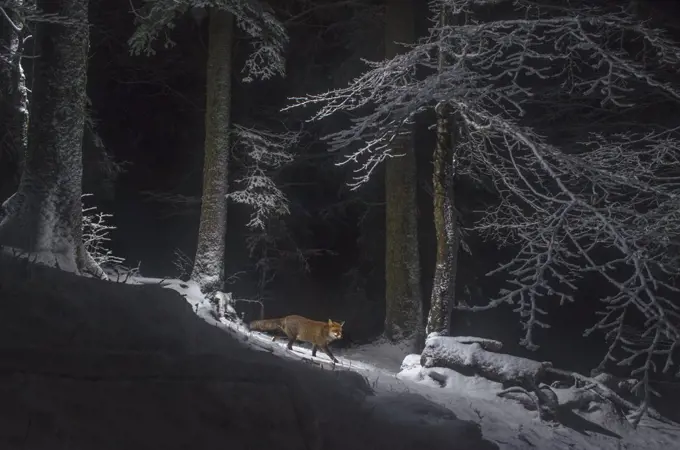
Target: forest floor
{"points": [[470, 398], [87, 364]]}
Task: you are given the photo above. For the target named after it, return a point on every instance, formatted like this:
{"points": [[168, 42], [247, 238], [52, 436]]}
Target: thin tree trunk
{"points": [[446, 226], [208, 269], [13, 92], [404, 307], [445, 219], [46, 215]]}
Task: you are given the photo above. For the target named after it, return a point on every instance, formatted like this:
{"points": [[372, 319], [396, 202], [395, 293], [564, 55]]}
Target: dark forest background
{"points": [[146, 138]]}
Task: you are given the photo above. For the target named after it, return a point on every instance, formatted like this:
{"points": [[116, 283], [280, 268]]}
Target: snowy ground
{"points": [[502, 421], [86, 364]]}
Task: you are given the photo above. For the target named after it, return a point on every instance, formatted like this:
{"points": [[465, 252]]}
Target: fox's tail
{"points": [[266, 325]]}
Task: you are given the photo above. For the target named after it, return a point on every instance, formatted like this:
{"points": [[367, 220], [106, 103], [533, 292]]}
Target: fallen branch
{"points": [[605, 392]]}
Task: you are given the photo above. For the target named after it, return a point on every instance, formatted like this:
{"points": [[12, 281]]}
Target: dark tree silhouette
{"points": [[404, 311]]}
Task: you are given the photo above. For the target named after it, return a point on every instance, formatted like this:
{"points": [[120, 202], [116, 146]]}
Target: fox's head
{"points": [[335, 329]]}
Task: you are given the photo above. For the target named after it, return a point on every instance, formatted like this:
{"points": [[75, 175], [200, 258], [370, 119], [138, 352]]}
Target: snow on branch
{"points": [[565, 209], [498, 66], [262, 153], [28, 11], [555, 103], [612, 209], [96, 232], [254, 17]]}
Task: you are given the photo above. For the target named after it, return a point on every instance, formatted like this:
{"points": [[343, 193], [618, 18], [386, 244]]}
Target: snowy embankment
{"points": [[87, 364], [401, 385]]}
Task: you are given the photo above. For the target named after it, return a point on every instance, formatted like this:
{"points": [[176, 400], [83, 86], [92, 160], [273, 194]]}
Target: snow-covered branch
{"points": [[96, 232], [28, 11], [262, 152], [556, 108], [254, 17], [498, 66]]}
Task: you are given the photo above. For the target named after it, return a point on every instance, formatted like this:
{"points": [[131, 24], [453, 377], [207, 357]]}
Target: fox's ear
{"points": [[342, 323], [330, 322]]}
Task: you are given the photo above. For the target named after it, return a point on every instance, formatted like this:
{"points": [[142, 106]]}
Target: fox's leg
{"points": [[291, 340], [328, 352], [314, 349]]}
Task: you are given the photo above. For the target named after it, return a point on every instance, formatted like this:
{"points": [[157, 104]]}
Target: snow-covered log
{"points": [[450, 352], [535, 385], [487, 344]]}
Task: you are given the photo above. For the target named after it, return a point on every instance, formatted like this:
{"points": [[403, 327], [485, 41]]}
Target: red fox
{"points": [[319, 334]]}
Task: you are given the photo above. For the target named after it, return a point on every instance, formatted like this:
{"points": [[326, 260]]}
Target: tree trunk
{"points": [[45, 214], [446, 227], [13, 93], [445, 218], [208, 269], [404, 310]]}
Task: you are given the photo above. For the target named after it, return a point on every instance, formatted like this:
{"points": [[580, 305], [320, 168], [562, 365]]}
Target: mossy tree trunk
{"points": [[44, 217], [208, 270], [404, 306], [445, 217]]}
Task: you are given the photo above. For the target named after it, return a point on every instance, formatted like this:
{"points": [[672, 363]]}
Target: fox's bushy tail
{"points": [[266, 325]]}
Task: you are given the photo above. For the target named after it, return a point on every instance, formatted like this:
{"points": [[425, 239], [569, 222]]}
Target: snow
{"points": [[411, 361], [48, 258], [501, 367], [90, 364], [382, 353], [401, 386], [110, 365]]}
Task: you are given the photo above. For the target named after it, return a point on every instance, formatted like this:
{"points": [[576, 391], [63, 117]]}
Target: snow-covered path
{"points": [[87, 364], [503, 421], [400, 394]]}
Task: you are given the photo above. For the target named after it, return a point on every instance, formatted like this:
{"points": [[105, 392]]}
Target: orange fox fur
{"points": [[299, 328]]}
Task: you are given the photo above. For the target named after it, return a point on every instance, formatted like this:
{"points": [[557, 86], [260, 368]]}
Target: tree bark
{"points": [[13, 92], [445, 217], [404, 307], [208, 269], [446, 228], [45, 214]]}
